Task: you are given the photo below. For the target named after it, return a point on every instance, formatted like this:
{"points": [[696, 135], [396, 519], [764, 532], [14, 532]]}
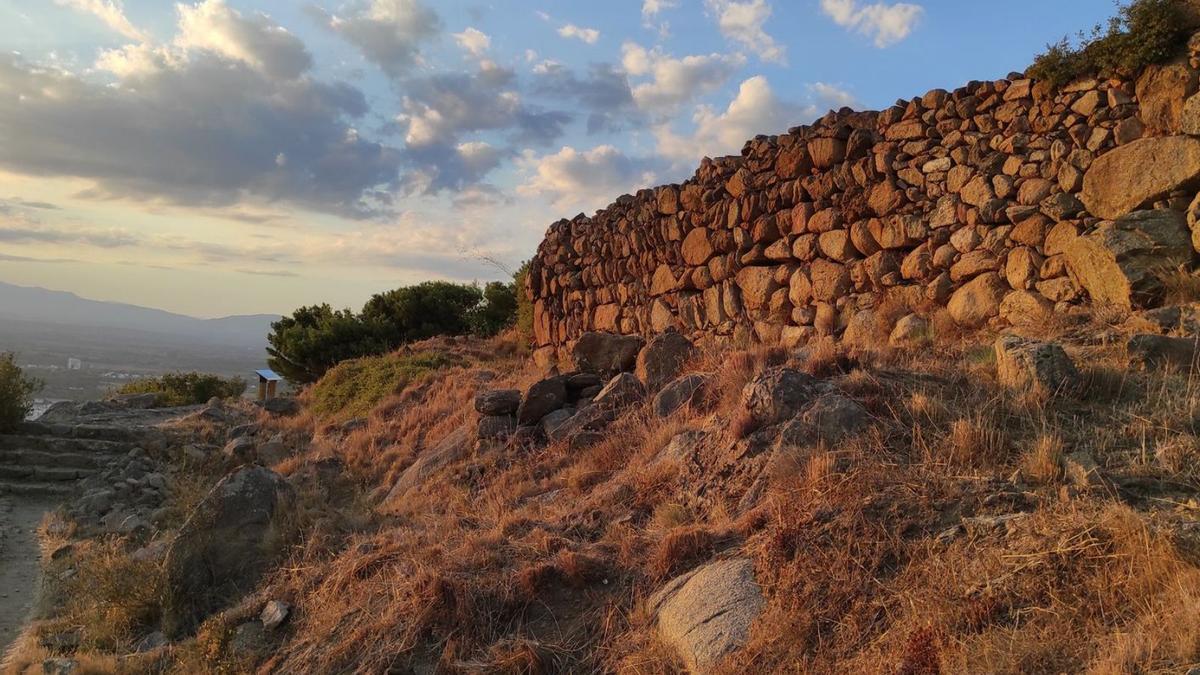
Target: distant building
{"points": [[74, 364]]}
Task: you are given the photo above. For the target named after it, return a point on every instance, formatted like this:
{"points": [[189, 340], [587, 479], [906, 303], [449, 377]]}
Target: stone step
{"points": [[59, 444], [104, 432], [79, 460], [30, 488], [44, 474]]}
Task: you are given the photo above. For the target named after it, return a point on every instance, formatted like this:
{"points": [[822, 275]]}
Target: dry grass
{"points": [[874, 555]]}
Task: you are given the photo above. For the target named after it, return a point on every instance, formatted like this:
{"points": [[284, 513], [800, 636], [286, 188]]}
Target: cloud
{"points": [[440, 111], [742, 21], [584, 179], [267, 273], [388, 33], [755, 110], [29, 233], [25, 259], [256, 41], [885, 24], [588, 35], [651, 8], [825, 94], [201, 122], [440, 108], [604, 91], [676, 81], [111, 12], [474, 42]]}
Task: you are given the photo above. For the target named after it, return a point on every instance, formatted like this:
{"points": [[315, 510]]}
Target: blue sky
{"points": [[234, 156]]}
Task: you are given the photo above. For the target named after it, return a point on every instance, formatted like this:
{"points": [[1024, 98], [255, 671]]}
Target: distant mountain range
{"points": [[67, 309]]}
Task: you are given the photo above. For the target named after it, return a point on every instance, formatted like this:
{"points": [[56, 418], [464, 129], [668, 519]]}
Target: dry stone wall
{"points": [[1000, 201]]}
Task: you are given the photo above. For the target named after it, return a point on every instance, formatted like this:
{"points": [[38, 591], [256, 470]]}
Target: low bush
{"points": [[352, 388], [16, 392], [186, 388], [1143, 32]]}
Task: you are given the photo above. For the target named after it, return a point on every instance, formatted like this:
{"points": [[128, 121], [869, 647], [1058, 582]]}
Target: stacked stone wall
{"points": [[999, 201]]}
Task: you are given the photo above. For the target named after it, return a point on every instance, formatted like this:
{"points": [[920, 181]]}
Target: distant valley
{"points": [[81, 348]]}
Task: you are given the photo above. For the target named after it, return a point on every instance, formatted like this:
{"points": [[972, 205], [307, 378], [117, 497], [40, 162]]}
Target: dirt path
{"points": [[19, 567]]}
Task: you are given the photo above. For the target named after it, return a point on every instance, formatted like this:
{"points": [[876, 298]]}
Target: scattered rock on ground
{"points": [[1024, 363], [498, 402], [542, 398], [707, 613], [661, 360], [778, 395], [1152, 351], [684, 391], [223, 547], [605, 353]]}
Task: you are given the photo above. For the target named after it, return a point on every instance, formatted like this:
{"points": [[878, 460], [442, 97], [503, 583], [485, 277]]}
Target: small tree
{"points": [[524, 320], [417, 312], [314, 339], [16, 392], [497, 311]]}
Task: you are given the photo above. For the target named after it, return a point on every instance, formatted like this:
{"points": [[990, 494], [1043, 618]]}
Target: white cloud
{"points": [[742, 21], [884, 24], [226, 113], [651, 8], [111, 12], [586, 179], [832, 96], [475, 42], [755, 110], [256, 41], [676, 81], [389, 33], [588, 35]]}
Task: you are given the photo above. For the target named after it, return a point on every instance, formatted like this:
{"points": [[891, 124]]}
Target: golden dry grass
{"points": [[876, 555]]}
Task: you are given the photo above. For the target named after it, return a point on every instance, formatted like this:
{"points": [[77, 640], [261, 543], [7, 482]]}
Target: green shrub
{"points": [[186, 388], [312, 340], [1142, 33], [353, 388], [16, 392], [524, 320], [304, 346]]}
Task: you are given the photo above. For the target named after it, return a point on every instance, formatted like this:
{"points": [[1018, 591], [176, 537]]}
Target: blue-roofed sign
{"points": [[269, 375]]}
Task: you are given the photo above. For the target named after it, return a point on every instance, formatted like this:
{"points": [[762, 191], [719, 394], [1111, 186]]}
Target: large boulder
{"points": [[707, 613], [622, 391], [605, 353], [543, 398], [223, 548], [454, 447], [778, 395], [978, 300], [1161, 92], [1023, 364], [1135, 175], [1118, 263], [498, 402], [1152, 351], [833, 418], [660, 361], [687, 390]]}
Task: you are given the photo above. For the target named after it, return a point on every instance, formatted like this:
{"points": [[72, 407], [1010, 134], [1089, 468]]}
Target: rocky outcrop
{"points": [[224, 546], [1137, 174], [706, 614], [1120, 262]]}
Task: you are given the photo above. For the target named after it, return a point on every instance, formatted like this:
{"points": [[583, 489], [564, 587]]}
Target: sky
{"points": [[217, 157]]}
